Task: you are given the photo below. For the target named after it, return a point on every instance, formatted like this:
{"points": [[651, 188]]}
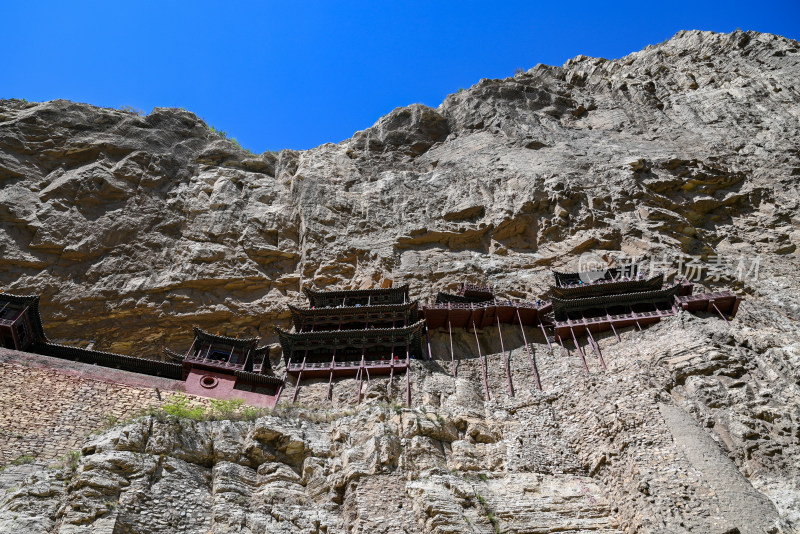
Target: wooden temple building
{"points": [[353, 333], [477, 307], [215, 366], [580, 304], [617, 300], [377, 332], [20, 323], [226, 368]]}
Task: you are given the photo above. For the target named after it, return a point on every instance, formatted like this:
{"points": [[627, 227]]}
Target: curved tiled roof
{"points": [[562, 306], [174, 356], [315, 294], [298, 313], [246, 342], [327, 310], [612, 272], [604, 287], [288, 339], [255, 378], [112, 360]]}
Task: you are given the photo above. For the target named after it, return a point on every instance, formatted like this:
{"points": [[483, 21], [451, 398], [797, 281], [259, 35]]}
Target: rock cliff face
{"points": [[133, 228]]}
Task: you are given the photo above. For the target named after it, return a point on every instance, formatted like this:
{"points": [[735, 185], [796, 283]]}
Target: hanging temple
{"points": [[367, 333]]}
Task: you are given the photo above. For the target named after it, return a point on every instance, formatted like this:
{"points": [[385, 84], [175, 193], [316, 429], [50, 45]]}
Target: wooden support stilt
{"points": [[544, 333], [358, 379], [408, 376], [361, 374], [614, 330], [721, 314], [428, 339], [391, 369], [636, 322], [564, 351], [285, 376], [505, 358], [280, 388], [580, 350], [596, 348], [528, 349], [483, 365], [452, 354], [330, 379], [611, 323], [299, 376]]}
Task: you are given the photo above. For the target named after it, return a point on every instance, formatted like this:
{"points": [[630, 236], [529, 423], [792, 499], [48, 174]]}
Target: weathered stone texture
{"points": [[134, 228], [46, 413]]}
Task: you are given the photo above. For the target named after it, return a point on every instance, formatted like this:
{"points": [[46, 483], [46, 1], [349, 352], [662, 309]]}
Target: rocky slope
{"points": [[133, 228]]}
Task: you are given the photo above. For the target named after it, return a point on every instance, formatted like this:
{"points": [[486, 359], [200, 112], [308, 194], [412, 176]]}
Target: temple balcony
{"points": [[346, 367], [214, 363], [483, 314]]}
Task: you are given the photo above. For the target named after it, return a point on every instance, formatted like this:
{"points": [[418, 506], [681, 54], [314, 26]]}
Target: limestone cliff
{"points": [[133, 228]]}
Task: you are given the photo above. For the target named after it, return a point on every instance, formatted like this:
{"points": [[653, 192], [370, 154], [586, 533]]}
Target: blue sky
{"points": [[298, 74]]}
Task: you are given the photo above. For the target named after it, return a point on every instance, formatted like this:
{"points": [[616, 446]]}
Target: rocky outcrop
{"points": [[156, 222], [133, 228], [686, 432]]}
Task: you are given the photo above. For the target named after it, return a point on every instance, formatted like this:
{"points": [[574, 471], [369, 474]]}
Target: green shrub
{"points": [[221, 133], [24, 459], [489, 513], [131, 109], [20, 460], [178, 406], [226, 409], [69, 461], [110, 421], [72, 459], [250, 413]]}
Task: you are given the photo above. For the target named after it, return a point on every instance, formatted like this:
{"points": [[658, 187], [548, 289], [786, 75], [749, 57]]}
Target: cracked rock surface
{"points": [[133, 228]]}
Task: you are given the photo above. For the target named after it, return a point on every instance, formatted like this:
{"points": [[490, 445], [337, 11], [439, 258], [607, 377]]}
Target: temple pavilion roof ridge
{"points": [[562, 306], [311, 292], [300, 315], [563, 278], [174, 356], [618, 285], [258, 378], [19, 299], [337, 309], [247, 342]]}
